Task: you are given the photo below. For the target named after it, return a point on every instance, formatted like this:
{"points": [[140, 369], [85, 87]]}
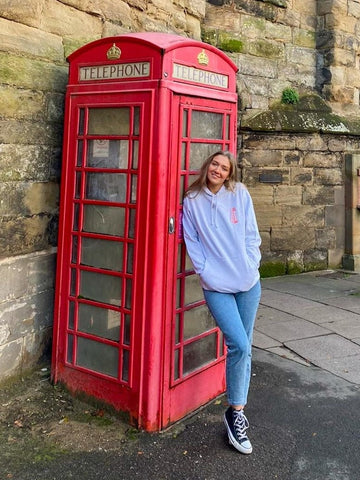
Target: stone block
{"points": [[262, 194], [325, 238], [300, 55], [28, 163], [328, 176], [292, 238], [23, 40], [301, 176], [288, 195], [335, 257], [263, 158], [27, 12], [335, 216], [11, 358], [32, 74], [304, 38], [305, 7], [303, 216], [23, 235], [20, 103], [318, 195], [28, 198], [32, 133], [257, 67], [323, 159], [354, 8], [270, 142], [266, 49], [313, 142], [35, 346], [65, 21], [268, 216]]}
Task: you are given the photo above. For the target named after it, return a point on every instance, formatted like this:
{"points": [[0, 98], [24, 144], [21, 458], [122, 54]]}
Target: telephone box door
{"points": [[98, 246], [196, 347]]}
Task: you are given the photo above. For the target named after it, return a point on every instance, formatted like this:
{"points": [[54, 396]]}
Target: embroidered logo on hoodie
{"points": [[233, 216]]}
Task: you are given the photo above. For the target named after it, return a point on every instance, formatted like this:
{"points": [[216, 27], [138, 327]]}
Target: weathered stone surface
{"points": [[306, 216], [69, 22], [21, 39], [27, 12], [290, 239], [32, 74], [287, 195], [24, 235], [319, 195]]}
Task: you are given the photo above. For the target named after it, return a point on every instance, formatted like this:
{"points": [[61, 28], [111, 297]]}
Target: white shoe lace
{"points": [[241, 424]]}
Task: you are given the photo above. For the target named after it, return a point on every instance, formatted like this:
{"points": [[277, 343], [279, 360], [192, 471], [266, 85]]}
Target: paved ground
{"points": [[303, 404], [313, 318]]}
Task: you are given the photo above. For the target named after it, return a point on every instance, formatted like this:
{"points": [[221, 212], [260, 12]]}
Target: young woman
{"points": [[222, 240]]}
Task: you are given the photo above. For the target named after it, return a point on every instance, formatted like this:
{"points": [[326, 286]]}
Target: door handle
{"points": [[171, 228]]}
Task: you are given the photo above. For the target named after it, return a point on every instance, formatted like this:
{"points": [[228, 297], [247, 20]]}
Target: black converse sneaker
{"points": [[236, 425]]}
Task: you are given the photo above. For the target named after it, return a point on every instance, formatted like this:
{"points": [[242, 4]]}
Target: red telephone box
{"points": [[131, 328]]}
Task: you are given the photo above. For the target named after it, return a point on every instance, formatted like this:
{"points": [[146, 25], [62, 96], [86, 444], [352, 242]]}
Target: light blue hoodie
{"points": [[222, 238]]}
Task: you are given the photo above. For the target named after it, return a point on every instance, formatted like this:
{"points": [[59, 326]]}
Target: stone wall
{"points": [[293, 158], [293, 164], [36, 36]]}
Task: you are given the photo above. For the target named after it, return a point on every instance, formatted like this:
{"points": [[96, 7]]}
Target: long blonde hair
{"points": [[201, 181]]}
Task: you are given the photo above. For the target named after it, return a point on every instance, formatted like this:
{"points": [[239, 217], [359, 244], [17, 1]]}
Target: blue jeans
{"points": [[235, 314]]}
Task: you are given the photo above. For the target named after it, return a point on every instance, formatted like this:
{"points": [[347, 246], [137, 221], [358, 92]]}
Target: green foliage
{"points": [[290, 96]]}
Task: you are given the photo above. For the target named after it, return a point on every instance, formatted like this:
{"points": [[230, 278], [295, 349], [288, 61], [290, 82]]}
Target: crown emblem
{"points": [[113, 53], [203, 59]]}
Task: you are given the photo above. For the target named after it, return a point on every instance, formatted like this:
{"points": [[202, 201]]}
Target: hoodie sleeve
{"points": [[252, 236], [191, 238]]}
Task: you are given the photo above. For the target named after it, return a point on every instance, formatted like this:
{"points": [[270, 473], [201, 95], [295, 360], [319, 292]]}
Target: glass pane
{"points": [[178, 293], [97, 356], [136, 120], [109, 121], [101, 288], [135, 155], [185, 123], [206, 125], [81, 121], [125, 368], [133, 188], [78, 185], [127, 330], [71, 315], [199, 353], [228, 127], [182, 183], [183, 157], [79, 153], [132, 218], [200, 152], [74, 249], [76, 216], [176, 365], [179, 269], [177, 328], [103, 219], [70, 348], [193, 290], [99, 321], [128, 293], [108, 154], [130, 258], [196, 321], [109, 187], [102, 254], [73, 282]]}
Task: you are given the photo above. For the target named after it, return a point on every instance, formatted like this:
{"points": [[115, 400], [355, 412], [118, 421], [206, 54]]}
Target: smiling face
{"points": [[218, 172]]}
